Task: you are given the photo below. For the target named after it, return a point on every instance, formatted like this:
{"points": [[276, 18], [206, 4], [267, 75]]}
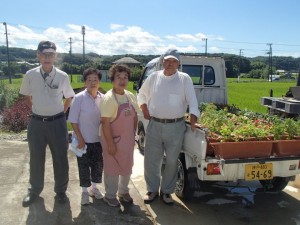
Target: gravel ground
{"points": [[10, 136], [13, 136]]}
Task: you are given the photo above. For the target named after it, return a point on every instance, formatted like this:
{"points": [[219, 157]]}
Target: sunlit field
{"points": [[245, 94]]}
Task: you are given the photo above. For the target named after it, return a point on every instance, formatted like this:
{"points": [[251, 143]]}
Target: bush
{"points": [[7, 96], [15, 118]]}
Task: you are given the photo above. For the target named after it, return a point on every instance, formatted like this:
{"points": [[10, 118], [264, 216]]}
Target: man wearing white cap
{"points": [[44, 88], [164, 98]]}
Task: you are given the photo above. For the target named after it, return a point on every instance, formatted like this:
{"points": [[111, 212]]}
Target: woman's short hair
{"points": [[118, 68], [90, 71]]}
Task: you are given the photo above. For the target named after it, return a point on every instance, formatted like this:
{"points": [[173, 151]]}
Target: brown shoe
{"points": [[150, 196], [125, 198], [112, 202]]}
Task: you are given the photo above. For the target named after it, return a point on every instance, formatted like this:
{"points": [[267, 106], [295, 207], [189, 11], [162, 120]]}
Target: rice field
{"points": [[245, 94]]}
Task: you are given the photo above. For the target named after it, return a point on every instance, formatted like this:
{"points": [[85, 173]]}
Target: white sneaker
{"points": [[85, 198], [95, 193], [167, 199]]}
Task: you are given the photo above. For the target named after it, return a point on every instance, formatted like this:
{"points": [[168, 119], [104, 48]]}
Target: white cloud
{"points": [[116, 26], [120, 39]]}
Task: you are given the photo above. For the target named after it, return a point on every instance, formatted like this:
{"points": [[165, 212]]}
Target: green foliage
{"points": [[135, 74], [241, 125], [255, 73], [7, 95]]}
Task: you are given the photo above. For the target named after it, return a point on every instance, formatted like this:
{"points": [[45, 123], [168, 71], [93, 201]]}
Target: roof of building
{"points": [[127, 60]]}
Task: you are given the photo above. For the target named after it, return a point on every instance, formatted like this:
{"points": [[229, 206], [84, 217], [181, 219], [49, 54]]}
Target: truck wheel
{"points": [[183, 188], [276, 184], [141, 139]]}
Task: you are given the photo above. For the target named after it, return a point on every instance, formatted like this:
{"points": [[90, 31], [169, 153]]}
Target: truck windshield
{"points": [[196, 73]]}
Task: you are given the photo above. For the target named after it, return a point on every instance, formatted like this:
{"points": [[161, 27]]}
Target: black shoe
{"points": [[61, 197], [29, 199]]}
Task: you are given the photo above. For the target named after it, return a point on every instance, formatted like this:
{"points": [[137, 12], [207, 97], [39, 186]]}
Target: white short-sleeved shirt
{"points": [[47, 94]]}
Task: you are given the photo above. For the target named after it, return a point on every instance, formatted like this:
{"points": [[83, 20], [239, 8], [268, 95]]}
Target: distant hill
{"points": [[21, 54]]}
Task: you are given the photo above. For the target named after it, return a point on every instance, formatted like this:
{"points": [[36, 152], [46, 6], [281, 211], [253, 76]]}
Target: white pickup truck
{"points": [[195, 166]]}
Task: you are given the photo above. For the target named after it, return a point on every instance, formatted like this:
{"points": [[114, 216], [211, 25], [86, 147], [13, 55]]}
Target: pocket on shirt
{"points": [[53, 92]]}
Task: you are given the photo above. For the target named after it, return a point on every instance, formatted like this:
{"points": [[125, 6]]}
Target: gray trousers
{"points": [[162, 139], [52, 133], [114, 184]]}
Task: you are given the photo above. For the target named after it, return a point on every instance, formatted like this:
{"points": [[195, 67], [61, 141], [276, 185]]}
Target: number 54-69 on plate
{"points": [[259, 171]]}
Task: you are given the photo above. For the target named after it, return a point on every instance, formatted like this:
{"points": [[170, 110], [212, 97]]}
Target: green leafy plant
{"points": [[231, 124]]}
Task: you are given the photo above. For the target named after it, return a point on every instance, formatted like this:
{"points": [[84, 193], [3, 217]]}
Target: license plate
{"points": [[259, 171]]}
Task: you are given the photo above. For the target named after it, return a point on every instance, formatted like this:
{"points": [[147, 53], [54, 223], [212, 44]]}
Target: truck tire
{"points": [[277, 184], [184, 188], [141, 139]]}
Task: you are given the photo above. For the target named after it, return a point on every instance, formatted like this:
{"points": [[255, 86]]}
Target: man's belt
{"points": [[167, 120], [48, 118]]}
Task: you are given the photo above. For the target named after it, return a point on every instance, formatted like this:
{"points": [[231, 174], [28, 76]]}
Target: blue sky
{"points": [[152, 26]]}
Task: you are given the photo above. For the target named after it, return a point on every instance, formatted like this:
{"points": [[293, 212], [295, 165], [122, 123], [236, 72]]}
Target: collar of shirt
{"points": [[169, 77], [51, 73], [99, 95]]}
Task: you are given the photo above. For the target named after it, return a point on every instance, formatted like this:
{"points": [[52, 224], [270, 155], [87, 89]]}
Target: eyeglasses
{"points": [[47, 55]]}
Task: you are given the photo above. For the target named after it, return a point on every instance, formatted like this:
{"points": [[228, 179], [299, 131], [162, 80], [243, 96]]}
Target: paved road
{"points": [[215, 206], [13, 186]]}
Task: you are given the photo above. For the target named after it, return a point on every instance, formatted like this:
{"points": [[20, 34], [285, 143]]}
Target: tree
{"points": [[135, 74]]}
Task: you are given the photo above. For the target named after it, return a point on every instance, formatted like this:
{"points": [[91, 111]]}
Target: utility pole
{"points": [[239, 74], [7, 51], [205, 39], [270, 62], [71, 60], [83, 33]]}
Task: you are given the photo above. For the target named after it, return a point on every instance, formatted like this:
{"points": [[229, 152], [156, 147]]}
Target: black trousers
{"points": [[55, 135], [90, 165]]}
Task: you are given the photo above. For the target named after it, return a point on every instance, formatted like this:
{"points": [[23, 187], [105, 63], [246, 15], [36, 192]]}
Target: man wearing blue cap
{"points": [[44, 88], [164, 98]]}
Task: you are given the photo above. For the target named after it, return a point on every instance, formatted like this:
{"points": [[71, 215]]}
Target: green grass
{"points": [[245, 94]]}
